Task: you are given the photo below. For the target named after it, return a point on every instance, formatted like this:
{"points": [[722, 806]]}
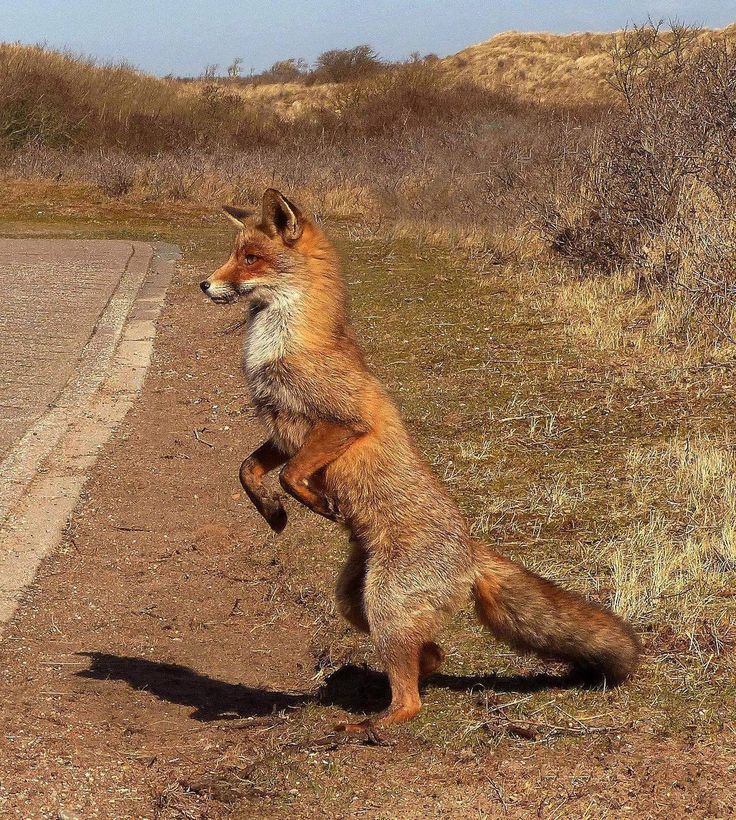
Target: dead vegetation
{"points": [[635, 186], [552, 68], [52, 100], [656, 201], [673, 568]]}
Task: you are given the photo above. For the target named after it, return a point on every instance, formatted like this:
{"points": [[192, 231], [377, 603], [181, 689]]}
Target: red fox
{"points": [[345, 454]]}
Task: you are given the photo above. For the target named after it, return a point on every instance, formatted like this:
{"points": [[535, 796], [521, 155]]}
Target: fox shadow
{"points": [[355, 689]]}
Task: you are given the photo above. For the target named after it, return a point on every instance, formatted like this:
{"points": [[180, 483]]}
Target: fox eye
{"points": [[249, 259]]}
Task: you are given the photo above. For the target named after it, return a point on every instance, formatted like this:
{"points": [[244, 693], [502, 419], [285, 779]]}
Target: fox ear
{"points": [[236, 215], [282, 217]]}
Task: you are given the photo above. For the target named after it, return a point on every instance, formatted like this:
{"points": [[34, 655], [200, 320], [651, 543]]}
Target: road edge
{"points": [[68, 439]]}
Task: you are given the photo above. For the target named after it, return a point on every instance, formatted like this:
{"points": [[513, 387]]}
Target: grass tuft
{"points": [[674, 570]]}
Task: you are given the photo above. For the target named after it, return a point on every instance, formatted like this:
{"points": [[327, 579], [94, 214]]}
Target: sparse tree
{"points": [[210, 71], [287, 71], [234, 69]]}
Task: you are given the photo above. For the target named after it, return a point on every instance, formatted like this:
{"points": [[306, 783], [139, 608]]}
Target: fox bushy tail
{"points": [[531, 614]]}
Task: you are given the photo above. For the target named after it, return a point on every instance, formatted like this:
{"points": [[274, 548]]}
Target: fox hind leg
{"points": [[403, 663], [350, 595], [431, 658], [404, 643], [350, 591]]}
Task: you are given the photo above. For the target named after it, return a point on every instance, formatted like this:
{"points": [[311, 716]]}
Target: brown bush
{"points": [[56, 99], [416, 94], [658, 188]]}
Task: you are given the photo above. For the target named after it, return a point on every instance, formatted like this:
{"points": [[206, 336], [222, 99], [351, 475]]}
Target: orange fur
{"points": [[348, 456]]}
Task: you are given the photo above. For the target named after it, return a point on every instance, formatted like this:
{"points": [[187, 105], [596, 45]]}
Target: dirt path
{"points": [[176, 660]]}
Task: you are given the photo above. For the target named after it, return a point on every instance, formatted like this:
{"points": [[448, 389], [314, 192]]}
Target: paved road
{"points": [[53, 294], [77, 323]]}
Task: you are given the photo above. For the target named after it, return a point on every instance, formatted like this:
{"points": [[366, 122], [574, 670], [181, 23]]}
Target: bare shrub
{"points": [[658, 188], [345, 65], [235, 67], [114, 173], [285, 71]]}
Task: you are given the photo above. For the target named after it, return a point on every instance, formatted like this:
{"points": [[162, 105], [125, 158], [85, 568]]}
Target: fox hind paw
{"points": [[366, 728]]}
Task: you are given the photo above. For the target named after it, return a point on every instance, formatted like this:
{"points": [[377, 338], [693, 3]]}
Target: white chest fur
{"points": [[270, 332]]}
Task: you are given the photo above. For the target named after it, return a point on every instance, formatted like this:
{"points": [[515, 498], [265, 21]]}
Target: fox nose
{"points": [[205, 286]]}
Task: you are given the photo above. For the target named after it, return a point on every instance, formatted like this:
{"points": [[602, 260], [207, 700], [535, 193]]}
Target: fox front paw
{"points": [[271, 508]]}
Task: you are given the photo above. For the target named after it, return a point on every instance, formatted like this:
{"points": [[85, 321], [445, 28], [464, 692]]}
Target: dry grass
{"points": [[289, 100], [461, 184], [608, 313], [673, 569], [395, 152], [419, 151], [545, 67], [53, 99], [550, 68]]}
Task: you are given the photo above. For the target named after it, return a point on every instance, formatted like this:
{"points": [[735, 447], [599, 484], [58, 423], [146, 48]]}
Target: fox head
{"points": [[272, 252]]}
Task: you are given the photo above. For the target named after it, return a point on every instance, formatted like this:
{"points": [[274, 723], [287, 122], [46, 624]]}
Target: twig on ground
{"points": [[201, 440]]}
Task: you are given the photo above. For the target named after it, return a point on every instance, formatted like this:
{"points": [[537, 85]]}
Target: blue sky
{"points": [[182, 36]]}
